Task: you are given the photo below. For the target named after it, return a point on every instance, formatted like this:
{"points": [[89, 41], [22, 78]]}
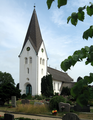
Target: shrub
{"points": [[65, 91], [23, 96], [55, 101], [29, 96], [47, 86], [39, 97]]}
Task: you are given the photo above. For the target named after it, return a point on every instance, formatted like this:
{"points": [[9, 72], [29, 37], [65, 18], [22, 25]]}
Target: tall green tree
{"points": [[81, 90], [6, 78], [47, 86], [7, 90]]}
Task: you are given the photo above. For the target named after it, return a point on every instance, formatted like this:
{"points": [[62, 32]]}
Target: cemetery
{"points": [[57, 106]]}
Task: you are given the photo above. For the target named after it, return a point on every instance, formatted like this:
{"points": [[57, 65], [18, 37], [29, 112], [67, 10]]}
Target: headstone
{"points": [[25, 101], [64, 107], [38, 103], [13, 101], [8, 117], [70, 116], [78, 108]]}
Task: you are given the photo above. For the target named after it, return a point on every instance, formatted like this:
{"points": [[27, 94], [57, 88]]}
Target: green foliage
{"points": [[39, 97], [79, 55], [81, 92], [29, 96], [6, 78], [7, 90], [23, 96], [91, 93], [65, 91], [47, 86], [55, 101], [60, 3]]}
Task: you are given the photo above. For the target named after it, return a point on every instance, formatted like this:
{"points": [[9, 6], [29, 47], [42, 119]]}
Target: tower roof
{"points": [[33, 33]]}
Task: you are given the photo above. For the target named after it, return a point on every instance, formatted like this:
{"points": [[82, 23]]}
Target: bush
{"points": [[39, 97], [55, 101], [23, 96], [65, 91], [29, 96]]}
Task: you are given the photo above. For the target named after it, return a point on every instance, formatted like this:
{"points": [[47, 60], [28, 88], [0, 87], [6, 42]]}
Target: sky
{"points": [[61, 39]]}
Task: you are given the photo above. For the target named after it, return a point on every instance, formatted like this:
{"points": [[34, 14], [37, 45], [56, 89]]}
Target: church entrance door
{"points": [[28, 89]]}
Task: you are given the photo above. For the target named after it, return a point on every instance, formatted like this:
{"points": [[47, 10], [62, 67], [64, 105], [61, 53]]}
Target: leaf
{"points": [[63, 66], [49, 2], [86, 34], [90, 10], [74, 21], [87, 48], [61, 3], [81, 16], [75, 58], [74, 15], [81, 8], [68, 19]]}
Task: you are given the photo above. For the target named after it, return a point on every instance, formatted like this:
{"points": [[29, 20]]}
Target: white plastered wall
{"points": [[42, 68], [56, 86], [32, 75]]}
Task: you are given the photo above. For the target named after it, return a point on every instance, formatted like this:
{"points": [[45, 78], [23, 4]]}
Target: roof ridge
{"points": [[33, 33]]}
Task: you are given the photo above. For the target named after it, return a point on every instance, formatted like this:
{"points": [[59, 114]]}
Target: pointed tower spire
{"points": [[34, 33]]}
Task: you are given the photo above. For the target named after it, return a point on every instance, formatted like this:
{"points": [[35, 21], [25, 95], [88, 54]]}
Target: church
{"points": [[33, 62]]}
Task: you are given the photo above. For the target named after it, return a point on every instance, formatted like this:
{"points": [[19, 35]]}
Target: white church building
{"points": [[33, 62]]}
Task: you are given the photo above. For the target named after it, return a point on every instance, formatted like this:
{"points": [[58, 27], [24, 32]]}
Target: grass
{"points": [[41, 109], [32, 109]]}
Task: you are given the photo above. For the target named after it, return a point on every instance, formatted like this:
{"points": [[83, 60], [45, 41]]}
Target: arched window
{"points": [[29, 89], [43, 61], [30, 60], [41, 71], [28, 70], [40, 60], [26, 60], [54, 85], [27, 79]]}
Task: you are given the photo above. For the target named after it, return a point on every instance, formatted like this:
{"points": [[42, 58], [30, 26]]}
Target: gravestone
{"points": [[64, 107], [70, 116], [38, 103], [78, 108], [25, 101], [8, 116], [13, 101]]}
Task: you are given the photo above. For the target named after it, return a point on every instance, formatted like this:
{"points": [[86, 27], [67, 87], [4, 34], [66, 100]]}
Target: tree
{"points": [[6, 78], [7, 90], [17, 86], [80, 89], [47, 86]]}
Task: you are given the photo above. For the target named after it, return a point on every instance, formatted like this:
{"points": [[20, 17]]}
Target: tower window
{"points": [[28, 79], [40, 60], [26, 60], [43, 62], [41, 71], [30, 60], [28, 70]]}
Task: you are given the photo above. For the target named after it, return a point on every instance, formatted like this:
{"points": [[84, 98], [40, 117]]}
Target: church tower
{"points": [[33, 59]]}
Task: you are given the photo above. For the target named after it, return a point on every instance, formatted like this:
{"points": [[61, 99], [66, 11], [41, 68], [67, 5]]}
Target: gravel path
{"points": [[32, 117]]}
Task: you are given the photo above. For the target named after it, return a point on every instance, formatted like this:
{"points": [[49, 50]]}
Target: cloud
{"points": [[57, 17]]}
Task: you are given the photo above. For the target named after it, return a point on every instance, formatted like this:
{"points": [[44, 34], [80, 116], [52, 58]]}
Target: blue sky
{"points": [[61, 39]]}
